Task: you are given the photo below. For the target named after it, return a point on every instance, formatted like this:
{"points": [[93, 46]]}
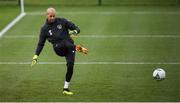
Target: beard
{"points": [[51, 20]]}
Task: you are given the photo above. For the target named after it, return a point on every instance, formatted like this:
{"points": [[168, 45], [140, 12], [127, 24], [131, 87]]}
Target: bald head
{"points": [[51, 14], [50, 10]]}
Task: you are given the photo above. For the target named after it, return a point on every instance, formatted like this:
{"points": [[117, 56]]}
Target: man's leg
{"points": [[70, 58], [70, 66]]}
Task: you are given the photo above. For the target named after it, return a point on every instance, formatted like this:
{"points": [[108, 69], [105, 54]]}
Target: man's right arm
{"points": [[40, 45], [41, 42]]}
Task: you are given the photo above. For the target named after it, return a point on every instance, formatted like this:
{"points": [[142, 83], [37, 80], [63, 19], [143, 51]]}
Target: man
{"points": [[58, 32]]}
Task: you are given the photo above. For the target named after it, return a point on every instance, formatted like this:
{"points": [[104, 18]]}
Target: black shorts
{"points": [[64, 47]]}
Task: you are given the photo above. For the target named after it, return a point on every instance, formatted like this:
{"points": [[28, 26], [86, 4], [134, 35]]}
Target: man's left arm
{"points": [[74, 30]]}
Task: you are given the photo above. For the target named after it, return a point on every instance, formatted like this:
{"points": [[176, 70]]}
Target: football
{"points": [[159, 74]]}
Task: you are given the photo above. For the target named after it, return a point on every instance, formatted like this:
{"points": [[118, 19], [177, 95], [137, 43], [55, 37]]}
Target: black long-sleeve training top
{"points": [[55, 32]]}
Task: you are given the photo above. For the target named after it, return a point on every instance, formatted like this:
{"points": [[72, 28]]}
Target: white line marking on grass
{"points": [[111, 12], [11, 24], [92, 63], [20, 36], [130, 36], [100, 36]]}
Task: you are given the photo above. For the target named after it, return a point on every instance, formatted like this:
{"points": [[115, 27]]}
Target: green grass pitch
{"points": [[127, 42]]}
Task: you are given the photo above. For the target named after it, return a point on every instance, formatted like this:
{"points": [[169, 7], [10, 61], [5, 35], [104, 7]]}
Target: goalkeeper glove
{"points": [[34, 61], [73, 34]]}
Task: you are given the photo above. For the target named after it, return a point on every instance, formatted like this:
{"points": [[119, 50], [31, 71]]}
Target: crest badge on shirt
{"points": [[59, 26], [50, 32]]}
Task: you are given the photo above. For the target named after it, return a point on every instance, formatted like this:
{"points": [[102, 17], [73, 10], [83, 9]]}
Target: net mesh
{"points": [[93, 2], [141, 2], [9, 2], [61, 2], [103, 2]]}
